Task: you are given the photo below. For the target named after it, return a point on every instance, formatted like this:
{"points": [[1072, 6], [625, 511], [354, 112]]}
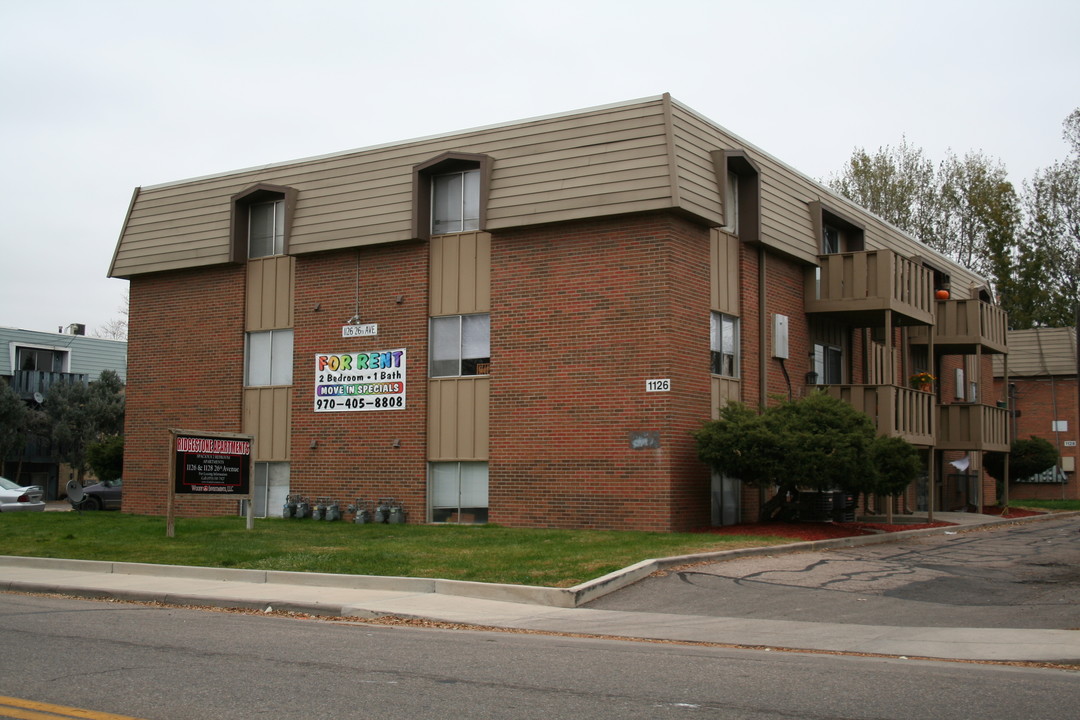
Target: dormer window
{"points": [[261, 221], [835, 233], [266, 228], [450, 194], [455, 202], [740, 193]]}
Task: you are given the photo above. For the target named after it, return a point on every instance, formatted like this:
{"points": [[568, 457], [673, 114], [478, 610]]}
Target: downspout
{"points": [[763, 384]]}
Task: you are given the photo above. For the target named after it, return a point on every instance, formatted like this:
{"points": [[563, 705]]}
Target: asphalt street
{"points": [[1022, 576]]}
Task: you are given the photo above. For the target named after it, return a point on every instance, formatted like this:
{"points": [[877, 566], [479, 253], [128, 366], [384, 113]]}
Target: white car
{"points": [[16, 498]]}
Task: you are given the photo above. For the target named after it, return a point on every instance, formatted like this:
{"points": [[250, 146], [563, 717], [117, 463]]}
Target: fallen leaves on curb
{"points": [[817, 531]]}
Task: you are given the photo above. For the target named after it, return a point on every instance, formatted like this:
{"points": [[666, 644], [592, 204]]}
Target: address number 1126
{"points": [[657, 385]]}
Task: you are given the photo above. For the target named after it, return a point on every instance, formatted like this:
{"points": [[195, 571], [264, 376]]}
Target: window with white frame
{"points": [[455, 202], [269, 489], [458, 492], [460, 345], [35, 359], [724, 345], [268, 358], [266, 228]]}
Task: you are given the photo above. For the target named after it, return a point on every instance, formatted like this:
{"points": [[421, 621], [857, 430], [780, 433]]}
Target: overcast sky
{"points": [[99, 97]]}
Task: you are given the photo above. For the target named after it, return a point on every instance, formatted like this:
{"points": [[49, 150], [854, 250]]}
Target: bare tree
{"points": [[117, 328]]}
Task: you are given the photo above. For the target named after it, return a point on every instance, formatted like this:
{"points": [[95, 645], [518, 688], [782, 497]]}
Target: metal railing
{"points": [[28, 382]]}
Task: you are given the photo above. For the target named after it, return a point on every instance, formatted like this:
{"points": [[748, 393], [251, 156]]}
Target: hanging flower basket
{"points": [[922, 381]]}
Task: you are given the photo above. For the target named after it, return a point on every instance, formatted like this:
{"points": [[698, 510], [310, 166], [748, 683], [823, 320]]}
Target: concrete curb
{"points": [[593, 589], [572, 597]]}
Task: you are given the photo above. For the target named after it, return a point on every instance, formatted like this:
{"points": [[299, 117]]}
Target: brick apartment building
{"points": [[1044, 391], [524, 323]]}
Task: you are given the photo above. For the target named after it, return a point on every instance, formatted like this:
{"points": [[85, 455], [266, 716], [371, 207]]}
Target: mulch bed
{"points": [[828, 531], [1011, 513]]}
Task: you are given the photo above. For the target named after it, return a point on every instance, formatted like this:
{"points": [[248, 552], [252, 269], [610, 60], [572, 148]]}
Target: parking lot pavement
{"points": [[1012, 576]]}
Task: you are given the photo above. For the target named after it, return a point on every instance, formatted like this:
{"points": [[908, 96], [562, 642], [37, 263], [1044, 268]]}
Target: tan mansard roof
{"points": [[644, 155], [1040, 352]]}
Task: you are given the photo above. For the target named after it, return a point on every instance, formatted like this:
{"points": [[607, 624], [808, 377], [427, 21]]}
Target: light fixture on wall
{"points": [[395, 443], [399, 299], [314, 444]]}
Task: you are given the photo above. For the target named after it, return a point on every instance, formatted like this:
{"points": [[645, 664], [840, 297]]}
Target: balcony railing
{"points": [[962, 325], [896, 411], [28, 382], [862, 285], [973, 427]]}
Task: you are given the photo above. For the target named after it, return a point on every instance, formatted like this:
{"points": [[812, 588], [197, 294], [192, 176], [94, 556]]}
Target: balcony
{"points": [[896, 411], [861, 286], [962, 326], [28, 382], [973, 427]]}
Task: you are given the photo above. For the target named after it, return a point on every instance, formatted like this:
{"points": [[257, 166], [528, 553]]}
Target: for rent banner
{"points": [[353, 382]]}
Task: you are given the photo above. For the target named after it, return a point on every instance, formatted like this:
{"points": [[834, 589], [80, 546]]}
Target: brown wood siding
{"points": [[724, 391], [786, 223], [641, 156], [699, 192], [458, 425], [724, 273], [460, 274], [269, 304], [600, 162], [267, 416]]}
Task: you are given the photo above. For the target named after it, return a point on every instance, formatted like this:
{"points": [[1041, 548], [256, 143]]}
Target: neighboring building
{"points": [[1042, 375], [31, 362], [524, 323]]}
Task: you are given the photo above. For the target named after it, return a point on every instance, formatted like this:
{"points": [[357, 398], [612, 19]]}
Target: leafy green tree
{"points": [[106, 457], [1027, 457], [897, 465], [13, 421], [979, 215], [1026, 243], [1048, 285], [899, 185], [818, 443], [82, 414], [966, 208]]}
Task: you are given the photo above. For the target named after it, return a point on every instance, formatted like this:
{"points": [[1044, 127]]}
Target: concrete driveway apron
{"points": [[1022, 576]]}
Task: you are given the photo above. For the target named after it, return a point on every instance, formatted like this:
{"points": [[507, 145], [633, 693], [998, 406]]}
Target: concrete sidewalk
{"points": [[552, 610]]}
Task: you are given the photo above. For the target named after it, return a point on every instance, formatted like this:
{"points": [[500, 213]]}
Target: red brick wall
{"points": [[1041, 401], [185, 371], [355, 455], [582, 315]]}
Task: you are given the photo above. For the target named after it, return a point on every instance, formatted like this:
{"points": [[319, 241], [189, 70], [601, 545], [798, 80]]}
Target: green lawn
{"points": [[484, 553], [1046, 504]]}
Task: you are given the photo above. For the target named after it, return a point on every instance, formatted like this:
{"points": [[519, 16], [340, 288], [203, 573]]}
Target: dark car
{"points": [[104, 495]]}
